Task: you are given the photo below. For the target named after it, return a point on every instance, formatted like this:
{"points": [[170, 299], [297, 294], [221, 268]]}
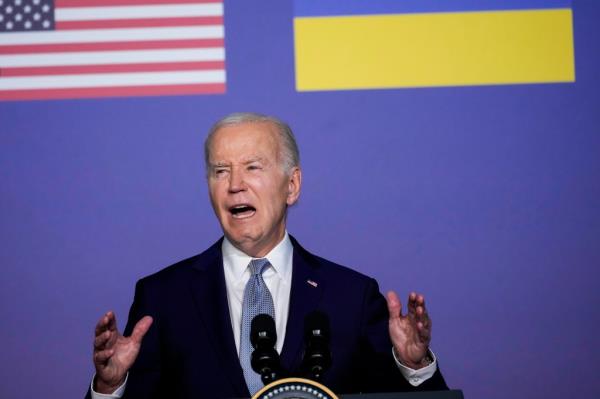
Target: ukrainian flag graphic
{"points": [[373, 44]]}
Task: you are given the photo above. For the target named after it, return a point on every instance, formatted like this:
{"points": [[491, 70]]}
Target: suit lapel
{"points": [[210, 294], [207, 286], [306, 292]]}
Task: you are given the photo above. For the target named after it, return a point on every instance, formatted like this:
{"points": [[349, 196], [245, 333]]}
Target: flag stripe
{"points": [[81, 69], [138, 23], [441, 49], [110, 46], [113, 79], [119, 91], [126, 12], [94, 3], [114, 35], [112, 57]]}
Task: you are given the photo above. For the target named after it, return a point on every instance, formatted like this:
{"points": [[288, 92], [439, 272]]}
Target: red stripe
{"points": [[83, 69], [171, 90], [110, 46], [100, 3], [136, 23]]}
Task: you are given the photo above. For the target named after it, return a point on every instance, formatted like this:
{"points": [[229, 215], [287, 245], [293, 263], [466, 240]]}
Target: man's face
{"points": [[249, 189]]}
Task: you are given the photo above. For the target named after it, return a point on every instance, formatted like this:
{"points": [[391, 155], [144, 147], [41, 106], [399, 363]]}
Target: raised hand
{"points": [[410, 333], [114, 354]]}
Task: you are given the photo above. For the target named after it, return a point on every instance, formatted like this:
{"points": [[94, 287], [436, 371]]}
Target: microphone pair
{"points": [[265, 359]]}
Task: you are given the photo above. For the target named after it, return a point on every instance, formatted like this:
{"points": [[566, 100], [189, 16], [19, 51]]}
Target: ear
{"points": [[294, 183]]}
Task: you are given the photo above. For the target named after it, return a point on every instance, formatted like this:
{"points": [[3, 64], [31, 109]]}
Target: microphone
{"points": [[317, 356], [265, 359]]}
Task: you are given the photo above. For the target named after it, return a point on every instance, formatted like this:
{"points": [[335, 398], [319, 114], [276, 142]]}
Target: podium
{"points": [[452, 394], [302, 388]]}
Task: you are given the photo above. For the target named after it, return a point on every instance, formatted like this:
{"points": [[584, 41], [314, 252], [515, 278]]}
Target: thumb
{"points": [[140, 329], [394, 305]]}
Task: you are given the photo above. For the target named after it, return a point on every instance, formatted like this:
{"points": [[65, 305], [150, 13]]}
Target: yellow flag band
{"points": [[441, 49]]}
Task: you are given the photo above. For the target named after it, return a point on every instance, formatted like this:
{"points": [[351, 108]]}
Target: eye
{"points": [[220, 171], [254, 167]]}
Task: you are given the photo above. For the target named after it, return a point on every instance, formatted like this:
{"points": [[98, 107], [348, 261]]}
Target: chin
{"points": [[243, 239]]}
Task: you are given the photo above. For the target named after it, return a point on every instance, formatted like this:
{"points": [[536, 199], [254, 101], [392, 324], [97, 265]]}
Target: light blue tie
{"points": [[257, 300]]}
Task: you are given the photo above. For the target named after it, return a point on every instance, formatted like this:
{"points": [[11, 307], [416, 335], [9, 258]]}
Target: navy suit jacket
{"points": [[189, 351]]}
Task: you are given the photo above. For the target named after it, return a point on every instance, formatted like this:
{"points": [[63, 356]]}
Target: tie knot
{"points": [[258, 266]]}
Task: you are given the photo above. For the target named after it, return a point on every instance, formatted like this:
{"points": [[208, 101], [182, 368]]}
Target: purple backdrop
{"points": [[486, 199]]}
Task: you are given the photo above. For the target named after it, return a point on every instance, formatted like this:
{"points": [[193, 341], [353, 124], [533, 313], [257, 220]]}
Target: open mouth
{"points": [[242, 211]]}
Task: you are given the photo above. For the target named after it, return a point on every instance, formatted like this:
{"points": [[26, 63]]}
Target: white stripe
{"points": [[111, 57], [113, 35], [112, 79], [126, 12]]}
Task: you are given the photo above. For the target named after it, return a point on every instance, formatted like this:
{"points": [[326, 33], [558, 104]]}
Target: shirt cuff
{"points": [[417, 377], [117, 394]]}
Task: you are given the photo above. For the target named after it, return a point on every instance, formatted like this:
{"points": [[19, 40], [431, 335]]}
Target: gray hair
{"points": [[289, 153]]}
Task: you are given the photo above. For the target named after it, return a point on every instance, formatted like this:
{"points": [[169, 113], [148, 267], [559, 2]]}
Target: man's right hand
{"points": [[114, 354]]}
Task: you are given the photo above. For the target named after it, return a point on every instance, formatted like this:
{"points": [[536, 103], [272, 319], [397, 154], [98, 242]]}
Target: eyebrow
{"points": [[253, 159], [221, 164], [218, 164]]}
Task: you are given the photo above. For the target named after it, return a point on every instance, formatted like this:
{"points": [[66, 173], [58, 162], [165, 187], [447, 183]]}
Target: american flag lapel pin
{"points": [[313, 283]]}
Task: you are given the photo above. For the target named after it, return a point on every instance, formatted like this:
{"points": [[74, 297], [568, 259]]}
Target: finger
{"points": [[104, 322], [141, 328], [424, 332], [101, 340], [394, 305], [103, 356], [412, 303], [423, 320], [420, 300], [421, 314], [416, 300], [112, 321]]}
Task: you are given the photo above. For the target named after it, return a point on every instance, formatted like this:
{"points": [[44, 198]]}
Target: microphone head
{"points": [[316, 327], [317, 355], [265, 359], [263, 332]]}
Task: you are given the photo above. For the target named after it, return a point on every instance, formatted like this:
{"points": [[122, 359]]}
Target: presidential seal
{"points": [[295, 388]]}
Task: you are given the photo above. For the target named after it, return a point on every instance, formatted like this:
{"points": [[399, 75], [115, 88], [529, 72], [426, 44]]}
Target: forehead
{"points": [[244, 140]]}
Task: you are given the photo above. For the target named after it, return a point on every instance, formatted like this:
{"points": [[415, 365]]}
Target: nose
{"points": [[236, 181]]}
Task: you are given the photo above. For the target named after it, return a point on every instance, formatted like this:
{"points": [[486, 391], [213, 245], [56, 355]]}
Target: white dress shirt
{"points": [[278, 278]]}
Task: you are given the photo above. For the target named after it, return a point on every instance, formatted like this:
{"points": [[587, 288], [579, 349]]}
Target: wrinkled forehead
{"points": [[243, 141]]}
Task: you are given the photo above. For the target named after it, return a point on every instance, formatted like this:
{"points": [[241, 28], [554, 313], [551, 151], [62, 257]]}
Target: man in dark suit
{"points": [[185, 332]]}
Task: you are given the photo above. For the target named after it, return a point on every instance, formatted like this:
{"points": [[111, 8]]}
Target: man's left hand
{"points": [[410, 333]]}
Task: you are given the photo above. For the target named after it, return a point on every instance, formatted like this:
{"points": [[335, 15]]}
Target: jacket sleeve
{"points": [[144, 381]]}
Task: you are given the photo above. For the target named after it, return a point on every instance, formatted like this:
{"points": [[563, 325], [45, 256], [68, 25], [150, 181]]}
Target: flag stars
{"points": [[26, 15]]}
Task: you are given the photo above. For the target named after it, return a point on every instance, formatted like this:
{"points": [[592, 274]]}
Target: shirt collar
{"points": [[280, 258]]}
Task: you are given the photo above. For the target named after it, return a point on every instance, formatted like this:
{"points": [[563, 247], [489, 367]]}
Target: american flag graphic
{"points": [[108, 48]]}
